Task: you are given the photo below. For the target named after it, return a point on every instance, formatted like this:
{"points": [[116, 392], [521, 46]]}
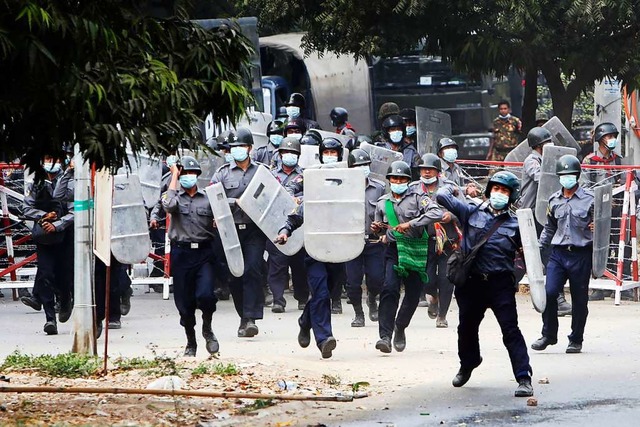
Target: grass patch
{"points": [[66, 365], [128, 364], [216, 369]]}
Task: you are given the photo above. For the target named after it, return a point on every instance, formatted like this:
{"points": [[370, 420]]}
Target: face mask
{"points": [[239, 153], [67, 160], [428, 181], [504, 117], [276, 139], [293, 112], [289, 159], [228, 158], [329, 159], [171, 160], [51, 167], [188, 181], [450, 154], [366, 169], [498, 200], [411, 130], [395, 136], [568, 181], [399, 188], [295, 135], [611, 143]]}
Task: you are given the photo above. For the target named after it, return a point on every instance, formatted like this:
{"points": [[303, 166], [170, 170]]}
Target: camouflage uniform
{"points": [[505, 137]]}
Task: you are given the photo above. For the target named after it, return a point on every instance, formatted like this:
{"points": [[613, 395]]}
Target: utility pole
{"points": [[608, 108]]}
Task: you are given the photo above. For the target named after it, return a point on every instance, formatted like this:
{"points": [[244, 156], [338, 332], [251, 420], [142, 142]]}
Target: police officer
{"points": [[248, 296], [569, 232], [393, 129], [296, 108], [268, 154], [340, 120], [403, 216], [295, 128], [491, 283], [311, 137], [371, 260], [442, 239], [289, 175], [409, 116], [191, 232], [606, 135]]}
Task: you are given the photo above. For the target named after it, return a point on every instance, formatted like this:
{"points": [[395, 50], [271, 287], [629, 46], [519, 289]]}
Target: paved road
{"points": [[601, 386]]}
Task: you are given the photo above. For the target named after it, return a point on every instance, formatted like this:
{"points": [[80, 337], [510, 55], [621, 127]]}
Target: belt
{"points": [[573, 248], [244, 226], [191, 245], [488, 276]]}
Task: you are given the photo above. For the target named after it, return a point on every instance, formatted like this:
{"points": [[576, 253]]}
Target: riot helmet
{"points": [[312, 137], [362, 138], [387, 109], [189, 164], [432, 161], [224, 140], [330, 143], [296, 100], [408, 114], [538, 136], [568, 164], [242, 136], [507, 179], [290, 144], [446, 143], [604, 129], [339, 116], [399, 169], [296, 124], [275, 127], [393, 121], [358, 157]]}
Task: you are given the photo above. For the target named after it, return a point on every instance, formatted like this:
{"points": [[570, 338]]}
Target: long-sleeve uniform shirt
{"points": [[414, 208], [267, 155], [372, 193], [568, 219], [191, 217], [235, 181], [40, 200], [292, 182], [530, 179]]}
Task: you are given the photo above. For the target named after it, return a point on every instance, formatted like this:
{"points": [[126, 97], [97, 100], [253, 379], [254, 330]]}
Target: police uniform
{"points": [[453, 172], [248, 296], [531, 170], [158, 235], [567, 231], [409, 154], [267, 155], [505, 136], [370, 261], [594, 177]]}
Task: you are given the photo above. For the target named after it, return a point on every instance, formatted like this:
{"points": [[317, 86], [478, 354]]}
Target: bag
{"points": [[43, 238]]}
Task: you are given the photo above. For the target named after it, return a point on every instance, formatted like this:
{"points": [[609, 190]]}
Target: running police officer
{"points": [[371, 260], [403, 216], [268, 154], [191, 233], [569, 232], [248, 296], [491, 283]]}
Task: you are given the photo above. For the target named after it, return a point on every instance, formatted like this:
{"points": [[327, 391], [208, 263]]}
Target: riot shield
{"points": [[431, 125], [309, 156], [532, 258], [267, 203], [561, 137], [326, 134], [130, 242], [337, 165], [549, 181], [602, 228], [226, 228], [209, 163], [149, 171], [334, 214], [381, 159]]}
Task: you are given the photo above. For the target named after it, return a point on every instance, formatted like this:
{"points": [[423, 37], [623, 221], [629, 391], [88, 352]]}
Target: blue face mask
{"points": [[327, 160], [568, 181], [411, 130], [276, 139], [228, 158], [498, 200], [239, 153], [289, 159], [293, 112], [450, 154], [399, 188], [188, 181], [366, 169], [171, 160], [395, 136], [611, 143], [51, 167], [428, 181]]}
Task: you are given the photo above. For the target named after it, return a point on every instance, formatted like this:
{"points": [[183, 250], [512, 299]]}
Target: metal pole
{"points": [[84, 340]]}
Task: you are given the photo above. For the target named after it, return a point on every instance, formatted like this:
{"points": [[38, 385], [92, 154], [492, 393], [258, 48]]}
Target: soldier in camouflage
{"points": [[506, 133]]}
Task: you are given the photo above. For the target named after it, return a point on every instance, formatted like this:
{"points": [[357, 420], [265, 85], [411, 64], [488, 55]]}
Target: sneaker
{"points": [[524, 389], [564, 308], [596, 295], [574, 347], [50, 328], [114, 324], [32, 302]]}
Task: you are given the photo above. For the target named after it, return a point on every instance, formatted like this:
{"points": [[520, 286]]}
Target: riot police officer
{"points": [[296, 109], [191, 232], [248, 296], [403, 215], [569, 232], [340, 120], [409, 116], [448, 153], [606, 135], [295, 128], [268, 154], [393, 129], [311, 137], [371, 260], [491, 282]]}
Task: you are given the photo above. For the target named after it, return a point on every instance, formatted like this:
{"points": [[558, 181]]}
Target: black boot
{"points": [[190, 349], [212, 342], [564, 308], [373, 307], [358, 321]]}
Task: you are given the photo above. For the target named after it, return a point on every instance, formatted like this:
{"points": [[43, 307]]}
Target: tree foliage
{"points": [[106, 73]]}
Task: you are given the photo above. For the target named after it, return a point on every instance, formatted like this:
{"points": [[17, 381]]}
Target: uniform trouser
{"points": [[158, 237], [248, 296], [439, 285], [278, 276], [220, 267], [576, 267], [339, 280], [52, 276], [192, 271], [497, 292], [388, 313], [317, 313], [119, 283], [371, 263]]}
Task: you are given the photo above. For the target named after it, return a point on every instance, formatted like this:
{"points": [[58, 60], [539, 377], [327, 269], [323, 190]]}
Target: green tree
{"points": [[106, 73]]}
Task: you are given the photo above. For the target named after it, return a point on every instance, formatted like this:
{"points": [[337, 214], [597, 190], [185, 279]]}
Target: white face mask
{"points": [[293, 112], [239, 153], [366, 169], [295, 135], [289, 159], [228, 158], [395, 136], [428, 181], [51, 167], [611, 143], [329, 159], [450, 154], [276, 139]]}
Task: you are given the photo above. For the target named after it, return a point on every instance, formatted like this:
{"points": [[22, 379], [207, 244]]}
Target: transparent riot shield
{"points": [[561, 137], [602, 228], [549, 181], [381, 159], [149, 171], [326, 134], [334, 214], [209, 163], [532, 258], [130, 241], [267, 203], [309, 156], [226, 228], [431, 125]]}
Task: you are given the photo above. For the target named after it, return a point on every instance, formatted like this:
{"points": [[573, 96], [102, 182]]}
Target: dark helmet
{"points": [[446, 143], [224, 140], [538, 136], [312, 137], [330, 143], [296, 123], [358, 157], [390, 122], [507, 179], [339, 116], [362, 138], [212, 143], [190, 164], [399, 168], [568, 164], [276, 127], [432, 161], [242, 136], [604, 129], [296, 100], [387, 109], [290, 144], [408, 114]]}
